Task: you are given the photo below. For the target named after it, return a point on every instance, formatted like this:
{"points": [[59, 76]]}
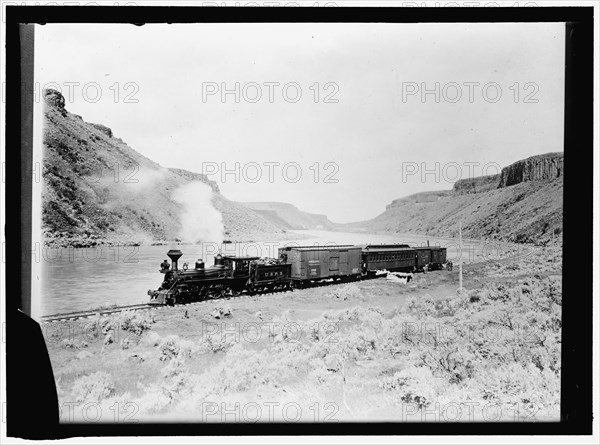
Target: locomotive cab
{"points": [[239, 266]]}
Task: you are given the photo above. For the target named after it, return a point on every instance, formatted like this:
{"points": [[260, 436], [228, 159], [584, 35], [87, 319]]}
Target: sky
{"points": [[329, 117]]}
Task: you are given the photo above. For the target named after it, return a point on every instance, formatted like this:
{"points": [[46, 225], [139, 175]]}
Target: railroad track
{"points": [[143, 306], [72, 316], [134, 307], [91, 313]]}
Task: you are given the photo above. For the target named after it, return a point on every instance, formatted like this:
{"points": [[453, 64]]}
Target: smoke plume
{"points": [[200, 220]]}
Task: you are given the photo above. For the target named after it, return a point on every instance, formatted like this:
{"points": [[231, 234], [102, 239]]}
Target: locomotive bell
{"points": [[199, 264], [174, 255]]}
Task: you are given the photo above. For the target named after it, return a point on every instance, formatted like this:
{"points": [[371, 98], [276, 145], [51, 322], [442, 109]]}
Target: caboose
{"points": [[430, 258]]}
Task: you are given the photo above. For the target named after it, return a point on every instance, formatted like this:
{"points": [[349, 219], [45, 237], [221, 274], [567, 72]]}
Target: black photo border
{"points": [[576, 379]]}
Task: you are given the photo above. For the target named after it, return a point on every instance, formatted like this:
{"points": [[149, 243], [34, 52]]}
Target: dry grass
{"points": [[497, 344]]}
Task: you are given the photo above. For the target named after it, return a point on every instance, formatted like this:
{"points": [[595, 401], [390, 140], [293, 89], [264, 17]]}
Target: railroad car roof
{"points": [[307, 248], [233, 257], [387, 249], [382, 246]]}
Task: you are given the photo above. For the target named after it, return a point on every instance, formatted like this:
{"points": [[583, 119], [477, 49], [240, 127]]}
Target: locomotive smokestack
{"points": [[174, 255]]}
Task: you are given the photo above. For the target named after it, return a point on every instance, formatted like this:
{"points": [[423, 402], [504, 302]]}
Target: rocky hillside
{"points": [[476, 185], [289, 216], [420, 198], [99, 190], [524, 203], [545, 167]]}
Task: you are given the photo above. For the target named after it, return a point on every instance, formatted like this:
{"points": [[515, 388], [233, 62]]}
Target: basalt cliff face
{"points": [[537, 168], [523, 203], [547, 167]]}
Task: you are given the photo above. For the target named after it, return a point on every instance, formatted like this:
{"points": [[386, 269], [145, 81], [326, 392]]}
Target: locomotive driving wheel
{"points": [[216, 291], [203, 292], [236, 292]]}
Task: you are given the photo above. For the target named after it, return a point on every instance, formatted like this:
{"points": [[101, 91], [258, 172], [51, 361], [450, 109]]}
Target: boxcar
{"points": [[392, 257], [315, 263]]}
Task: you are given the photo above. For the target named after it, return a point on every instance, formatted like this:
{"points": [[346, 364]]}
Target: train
{"points": [[295, 267]]}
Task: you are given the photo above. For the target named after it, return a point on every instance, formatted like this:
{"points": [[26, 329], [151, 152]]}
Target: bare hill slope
{"points": [[288, 215], [99, 190], [522, 204]]}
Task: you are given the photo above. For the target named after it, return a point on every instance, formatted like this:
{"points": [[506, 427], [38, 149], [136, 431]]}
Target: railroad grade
{"points": [[72, 316]]}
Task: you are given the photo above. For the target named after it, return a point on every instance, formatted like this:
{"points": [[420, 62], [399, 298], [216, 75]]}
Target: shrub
{"points": [[176, 380], [74, 344], [136, 322], [172, 346], [346, 292], [169, 347], [413, 386], [93, 387], [215, 343], [126, 343]]}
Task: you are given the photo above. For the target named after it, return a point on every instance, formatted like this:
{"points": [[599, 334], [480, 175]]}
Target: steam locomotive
{"points": [[297, 266]]}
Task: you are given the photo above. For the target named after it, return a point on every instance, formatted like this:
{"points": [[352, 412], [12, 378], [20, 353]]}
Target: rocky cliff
{"points": [[476, 185], [419, 198], [536, 168], [546, 167], [98, 190], [524, 203]]}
